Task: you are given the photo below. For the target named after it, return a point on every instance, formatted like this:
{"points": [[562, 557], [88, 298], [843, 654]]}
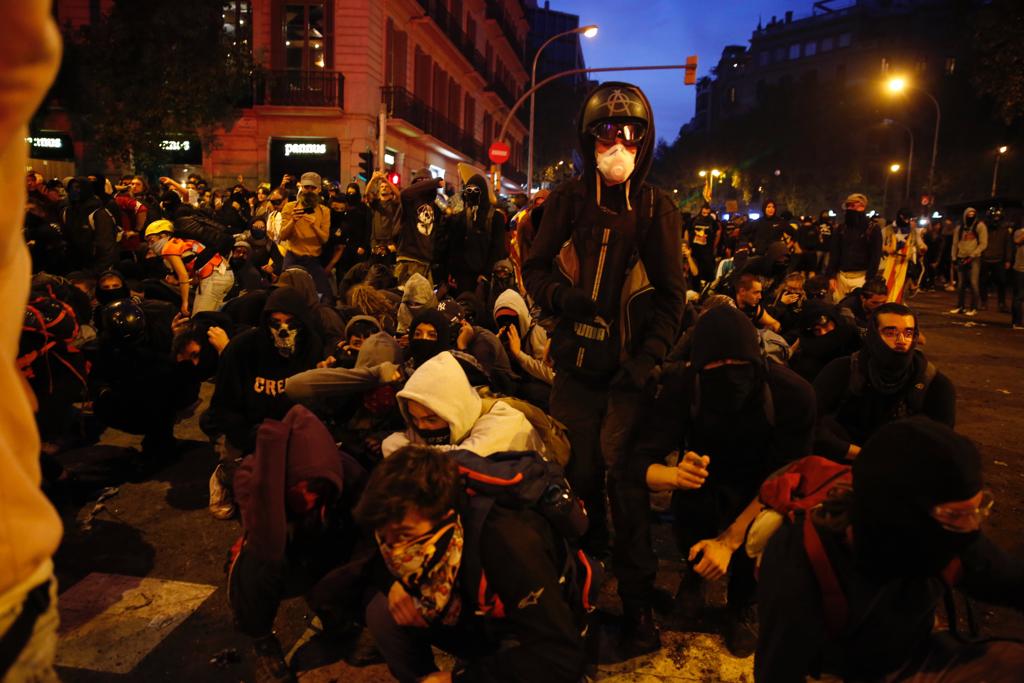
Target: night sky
{"points": [[654, 32]]}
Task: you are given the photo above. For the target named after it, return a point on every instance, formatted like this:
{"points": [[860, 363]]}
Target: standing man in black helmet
{"points": [[606, 261]]}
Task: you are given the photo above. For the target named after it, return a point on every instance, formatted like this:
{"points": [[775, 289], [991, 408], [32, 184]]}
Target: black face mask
{"points": [[471, 195], [888, 548], [506, 321], [856, 219], [728, 388], [422, 350], [106, 296], [257, 235], [888, 369], [435, 437], [238, 262]]}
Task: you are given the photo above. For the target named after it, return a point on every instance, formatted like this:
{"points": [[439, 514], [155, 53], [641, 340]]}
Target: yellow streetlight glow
{"points": [[715, 172], [702, 174], [894, 168], [896, 84], [1002, 150], [590, 31]]}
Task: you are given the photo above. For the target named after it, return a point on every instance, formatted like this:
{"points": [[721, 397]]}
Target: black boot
{"points": [[270, 666], [640, 634], [741, 631]]}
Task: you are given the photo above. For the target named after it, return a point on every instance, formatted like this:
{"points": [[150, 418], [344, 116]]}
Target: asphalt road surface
{"points": [[142, 571]]}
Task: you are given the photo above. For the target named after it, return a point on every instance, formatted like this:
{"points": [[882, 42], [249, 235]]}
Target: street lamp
{"points": [[898, 85], [995, 171], [589, 32], [893, 169], [910, 152], [702, 174]]}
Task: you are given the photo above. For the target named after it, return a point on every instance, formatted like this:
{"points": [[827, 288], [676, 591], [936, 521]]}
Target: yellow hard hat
{"points": [[157, 227]]}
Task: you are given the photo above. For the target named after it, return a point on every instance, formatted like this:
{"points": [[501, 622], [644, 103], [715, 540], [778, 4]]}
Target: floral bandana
{"points": [[427, 567]]}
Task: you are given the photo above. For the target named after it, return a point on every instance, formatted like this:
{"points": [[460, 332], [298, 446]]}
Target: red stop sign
{"points": [[499, 152]]}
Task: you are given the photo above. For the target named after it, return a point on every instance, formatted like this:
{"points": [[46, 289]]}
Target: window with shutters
{"points": [[307, 31], [395, 55]]}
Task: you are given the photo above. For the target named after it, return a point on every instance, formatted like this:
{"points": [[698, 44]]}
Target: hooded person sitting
{"points": [[824, 336], [453, 417], [326, 321], [480, 343], [909, 530], [358, 328], [888, 379], [525, 339], [734, 418], [418, 295]]}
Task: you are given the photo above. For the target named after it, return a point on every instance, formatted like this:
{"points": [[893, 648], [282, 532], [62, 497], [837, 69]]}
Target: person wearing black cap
{"points": [[305, 229], [859, 305], [909, 529], [618, 240], [824, 335], [888, 379], [734, 418]]}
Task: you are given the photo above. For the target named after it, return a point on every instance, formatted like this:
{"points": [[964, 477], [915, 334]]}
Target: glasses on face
{"points": [[964, 519], [609, 133], [896, 333]]}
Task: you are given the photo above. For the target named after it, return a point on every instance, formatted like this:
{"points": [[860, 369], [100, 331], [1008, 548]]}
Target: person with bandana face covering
{"points": [[476, 239], [305, 229], [734, 419], [824, 335], [455, 417], [970, 239], [910, 528], [605, 262], [856, 249], [888, 379], [432, 540]]}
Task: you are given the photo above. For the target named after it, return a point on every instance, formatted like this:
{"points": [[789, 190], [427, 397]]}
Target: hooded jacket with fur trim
{"points": [[502, 428]]}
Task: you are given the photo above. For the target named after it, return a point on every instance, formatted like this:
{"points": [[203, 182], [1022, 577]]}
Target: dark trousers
{"points": [[993, 273], [332, 587], [151, 415], [407, 650], [312, 265], [600, 422], [705, 513], [1018, 297]]}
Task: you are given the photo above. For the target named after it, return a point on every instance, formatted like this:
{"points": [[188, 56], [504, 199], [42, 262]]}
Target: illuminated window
{"points": [[308, 29], [237, 15]]}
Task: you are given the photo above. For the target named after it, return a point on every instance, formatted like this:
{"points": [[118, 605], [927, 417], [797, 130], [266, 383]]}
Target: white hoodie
{"points": [[440, 384], [533, 340]]}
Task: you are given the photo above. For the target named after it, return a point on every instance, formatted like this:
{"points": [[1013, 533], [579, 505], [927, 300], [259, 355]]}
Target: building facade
{"points": [[446, 72]]}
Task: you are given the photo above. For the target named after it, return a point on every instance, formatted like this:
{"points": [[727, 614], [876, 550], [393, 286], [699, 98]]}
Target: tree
{"points": [[1000, 69], [151, 70]]}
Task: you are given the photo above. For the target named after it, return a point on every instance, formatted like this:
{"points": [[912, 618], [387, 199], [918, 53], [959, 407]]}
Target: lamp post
{"points": [[899, 84], [995, 171], [893, 169], [589, 32], [910, 152]]}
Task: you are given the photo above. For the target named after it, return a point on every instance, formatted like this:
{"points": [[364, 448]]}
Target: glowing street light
{"points": [[715, 172], [702, 174], [995, 171], [894, 168], [898, 85], [588, 31]]}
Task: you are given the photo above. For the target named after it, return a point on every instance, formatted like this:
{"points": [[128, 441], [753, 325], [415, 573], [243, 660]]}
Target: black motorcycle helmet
{"points": [[618, 103], [124, 322], [995, 213]]}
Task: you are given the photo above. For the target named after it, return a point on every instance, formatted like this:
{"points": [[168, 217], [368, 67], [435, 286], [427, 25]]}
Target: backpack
{"points": [[525, 480], [918, 390], [790, 495], [553, 433], [207, 232]]}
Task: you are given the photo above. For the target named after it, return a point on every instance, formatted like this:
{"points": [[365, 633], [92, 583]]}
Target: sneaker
{"points": [[956, 311], [971, 311], [1018, 327], [222, 503], [741, 632], [270, 666], [640, 634], [950, 288]]}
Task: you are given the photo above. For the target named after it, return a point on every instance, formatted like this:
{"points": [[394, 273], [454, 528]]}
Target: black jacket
{"points": [[476, 240], [888, 622], [854, 249], [421, 221]]}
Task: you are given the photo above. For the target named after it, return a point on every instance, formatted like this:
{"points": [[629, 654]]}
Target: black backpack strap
{"points": [[833, 600]]}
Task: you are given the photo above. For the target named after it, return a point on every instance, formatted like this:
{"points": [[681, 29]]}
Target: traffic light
{"points": [[394, 178], [690, 77], [365, 165]]}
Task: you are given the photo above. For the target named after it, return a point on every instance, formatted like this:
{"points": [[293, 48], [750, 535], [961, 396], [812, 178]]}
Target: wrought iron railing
{"points": [[300, 88]]}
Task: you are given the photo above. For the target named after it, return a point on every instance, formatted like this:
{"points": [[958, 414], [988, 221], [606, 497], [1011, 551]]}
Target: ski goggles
{"points": [[965, 516], [610, 132]]}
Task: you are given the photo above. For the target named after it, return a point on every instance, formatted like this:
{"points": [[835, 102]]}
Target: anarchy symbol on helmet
{"points": [[618, 103]]}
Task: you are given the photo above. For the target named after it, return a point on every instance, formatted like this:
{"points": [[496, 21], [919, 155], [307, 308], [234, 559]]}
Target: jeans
{"points": [[312, 265], [406, 268], [1018, 297], [967, 279], [213, 289]]}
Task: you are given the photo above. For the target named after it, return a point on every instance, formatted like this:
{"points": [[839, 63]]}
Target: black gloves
{"points": [[634, 373], [575, 303]]}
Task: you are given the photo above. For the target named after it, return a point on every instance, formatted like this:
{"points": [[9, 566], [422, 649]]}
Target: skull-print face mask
{"points": [[284, 334]]}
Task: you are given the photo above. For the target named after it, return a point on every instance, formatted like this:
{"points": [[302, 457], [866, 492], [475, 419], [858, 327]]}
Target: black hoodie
{"points": [[250, 383], [571, 212], [421, 221], [476, 238]]}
